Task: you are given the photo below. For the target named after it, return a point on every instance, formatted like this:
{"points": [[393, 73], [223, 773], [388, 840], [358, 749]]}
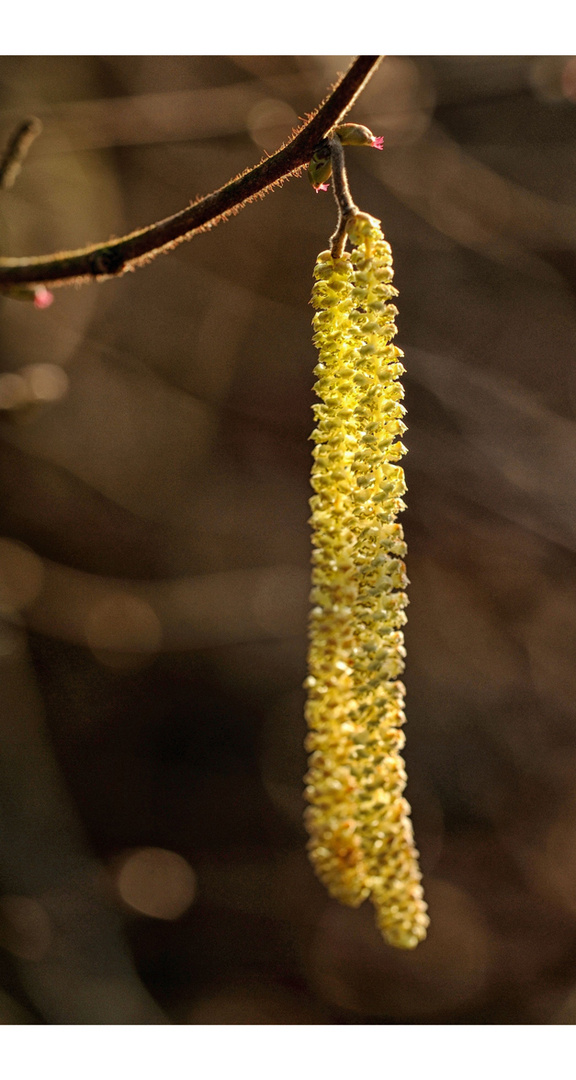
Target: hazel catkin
{"points": [[361, 842]]}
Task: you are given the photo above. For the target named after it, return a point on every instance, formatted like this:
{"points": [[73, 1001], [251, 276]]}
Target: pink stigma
{"points": [[42, 297], [378, 142], [321, 187]]}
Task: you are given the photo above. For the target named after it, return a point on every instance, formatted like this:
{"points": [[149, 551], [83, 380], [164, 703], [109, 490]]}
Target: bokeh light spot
{"points": [[270, 123], [156, 882], [46, 382]]}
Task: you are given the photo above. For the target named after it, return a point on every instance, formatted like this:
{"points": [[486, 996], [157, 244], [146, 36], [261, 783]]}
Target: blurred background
{"points": [[154, 550]]}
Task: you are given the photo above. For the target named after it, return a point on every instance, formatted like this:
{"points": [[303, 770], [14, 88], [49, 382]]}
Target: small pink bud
{"points": [[321, 187], [378, 142], [42, 297], [356, 135]]}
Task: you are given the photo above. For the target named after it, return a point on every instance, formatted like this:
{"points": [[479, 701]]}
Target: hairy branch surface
{"points": [[101, 261]]}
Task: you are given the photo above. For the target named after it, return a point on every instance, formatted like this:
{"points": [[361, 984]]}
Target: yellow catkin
{"points": [[361, 842]]}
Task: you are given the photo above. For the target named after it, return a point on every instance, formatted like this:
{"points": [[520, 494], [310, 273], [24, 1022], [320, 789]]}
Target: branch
{"points": [[101, 261]]}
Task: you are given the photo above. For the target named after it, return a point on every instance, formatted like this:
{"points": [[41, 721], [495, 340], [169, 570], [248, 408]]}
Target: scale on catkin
{"points": [[361, 842]]}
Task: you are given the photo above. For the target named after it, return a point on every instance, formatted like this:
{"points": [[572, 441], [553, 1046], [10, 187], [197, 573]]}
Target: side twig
{"points": [[101, 261], [16, 151]]}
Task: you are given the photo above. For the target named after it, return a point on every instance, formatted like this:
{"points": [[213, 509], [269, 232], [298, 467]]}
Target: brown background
{"points": [[160, 489]]}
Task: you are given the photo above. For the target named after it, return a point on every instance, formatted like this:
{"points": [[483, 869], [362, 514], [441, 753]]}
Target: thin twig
{"points": [[344, 201], [101, 261], [16, 151]]}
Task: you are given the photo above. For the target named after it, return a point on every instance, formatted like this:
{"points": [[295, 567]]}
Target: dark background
{"points": [[154, 556]]}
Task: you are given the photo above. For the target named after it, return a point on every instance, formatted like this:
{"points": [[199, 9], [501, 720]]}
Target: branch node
{"points": [[107, 262]]}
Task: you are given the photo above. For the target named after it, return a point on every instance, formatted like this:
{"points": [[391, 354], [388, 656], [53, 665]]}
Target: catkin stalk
{"points": [[361, 842]]}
